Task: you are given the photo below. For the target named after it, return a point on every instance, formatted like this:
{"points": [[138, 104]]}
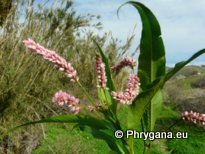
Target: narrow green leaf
{"points": [[110, 83], [101, 95], [105, 96], [83, 120], [180, 65], [108, 136]]}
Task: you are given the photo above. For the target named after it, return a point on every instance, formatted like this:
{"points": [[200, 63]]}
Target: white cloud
{"points": [[182, 22]]}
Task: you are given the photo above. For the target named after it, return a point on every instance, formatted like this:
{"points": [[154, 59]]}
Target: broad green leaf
{"points": [[151, 62], [151, 59], [83, 120], [156, 104], [180, 65], [141, 102]]}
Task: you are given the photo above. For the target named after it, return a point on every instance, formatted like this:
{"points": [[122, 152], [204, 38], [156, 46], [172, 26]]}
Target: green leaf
{"points": [[110, 83], [156, 103], [105, 96], [180, 65], [151, 61], [108, 136], [101, 95], [83, 120], [152, 53], [141, 102]]}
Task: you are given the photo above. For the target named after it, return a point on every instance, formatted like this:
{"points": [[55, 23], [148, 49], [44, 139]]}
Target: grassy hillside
{"points": [[183, 94], [63, 139], [190, 70]]}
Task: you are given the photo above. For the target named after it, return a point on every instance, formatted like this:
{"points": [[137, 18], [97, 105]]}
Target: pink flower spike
{"points": [[53, 57], [100, 69], [130, 92], [194, 117], [63, 98], [127, 61]]}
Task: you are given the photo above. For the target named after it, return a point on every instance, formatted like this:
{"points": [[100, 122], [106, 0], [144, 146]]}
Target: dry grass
{"points": [[27, 82], [184, 96]]}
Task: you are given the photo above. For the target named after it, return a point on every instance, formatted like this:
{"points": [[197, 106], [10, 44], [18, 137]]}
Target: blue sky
{"points": [[182, 23]]}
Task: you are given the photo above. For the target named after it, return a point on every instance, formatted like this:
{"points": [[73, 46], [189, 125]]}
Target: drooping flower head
{"points": [[63, 98], [195, 117], [127, 61], [53, 57], [100, 68], [131, 91]]}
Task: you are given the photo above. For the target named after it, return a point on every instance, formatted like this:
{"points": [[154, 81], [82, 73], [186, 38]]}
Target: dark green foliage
{"points": [[5, 6]]}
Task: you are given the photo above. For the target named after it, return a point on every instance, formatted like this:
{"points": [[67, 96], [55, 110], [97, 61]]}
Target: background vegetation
{"points": [[27, 83]]}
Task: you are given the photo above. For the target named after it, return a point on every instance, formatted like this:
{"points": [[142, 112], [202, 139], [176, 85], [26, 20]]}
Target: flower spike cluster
{"points": [[195, 117], [100, 69], [127, 61], [53, 57], [62, 98], [130, 92]]}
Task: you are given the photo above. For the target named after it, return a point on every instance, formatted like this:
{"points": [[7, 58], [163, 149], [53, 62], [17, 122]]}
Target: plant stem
{"points": [[113, 114], [132, 146], [129, 146], [142, 124], [86, 93]]}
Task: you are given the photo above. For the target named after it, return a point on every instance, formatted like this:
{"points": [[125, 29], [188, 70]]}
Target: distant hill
{"points": [[187, 89], [189, 71]]}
